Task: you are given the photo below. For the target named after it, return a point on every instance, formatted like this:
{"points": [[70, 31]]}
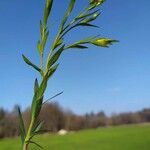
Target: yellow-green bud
{"points": [[103, 42], [97, 2]]}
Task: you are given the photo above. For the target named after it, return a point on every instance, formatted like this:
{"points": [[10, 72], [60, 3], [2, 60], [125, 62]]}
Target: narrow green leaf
{"points": [[41, 28], [38, 97], [21, 126], [32, 142], [87, 24], [36, 86], [88, 20], [91, 7], [86, 40], [52, 70], [53, 97], [86, 15], [43, 42], [36, 106], [47, 11], [68, 12], [44, 36], [77, 46], [55, 57], [58, 43], [79, 43], [37, 128], [43, 85], [39, 46], [31, 64], [77, 25]]}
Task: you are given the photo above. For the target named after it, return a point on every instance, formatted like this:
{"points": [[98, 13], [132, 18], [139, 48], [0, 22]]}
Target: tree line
{"points": [[57, 118]]}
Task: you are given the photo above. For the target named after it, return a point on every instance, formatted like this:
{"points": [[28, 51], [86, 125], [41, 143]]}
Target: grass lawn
{"points": [[135, 137]]}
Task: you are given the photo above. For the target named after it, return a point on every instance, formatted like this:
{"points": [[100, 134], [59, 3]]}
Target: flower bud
{"points": [[97, 2], [103, 42]]}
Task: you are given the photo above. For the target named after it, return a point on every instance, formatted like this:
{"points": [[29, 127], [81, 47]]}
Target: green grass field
{"points": [[135, 137]]}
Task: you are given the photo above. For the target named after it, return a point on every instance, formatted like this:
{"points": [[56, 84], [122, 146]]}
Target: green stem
{"points": [[27, 139], [25, 146], [41, 62], [53, 47]]}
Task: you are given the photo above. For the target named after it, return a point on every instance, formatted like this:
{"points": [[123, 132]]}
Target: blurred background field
{"points": [[106, 99], [131, 137]]}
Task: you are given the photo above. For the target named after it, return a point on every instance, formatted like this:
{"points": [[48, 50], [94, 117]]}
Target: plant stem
{"points": [[41, 62], [27, 139], [25, 146]]}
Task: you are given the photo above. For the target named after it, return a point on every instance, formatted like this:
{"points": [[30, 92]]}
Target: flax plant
{"points": [[47, 68]]}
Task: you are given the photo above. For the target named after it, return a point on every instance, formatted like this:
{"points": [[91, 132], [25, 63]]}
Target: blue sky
{"points": [[114, 80]]}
